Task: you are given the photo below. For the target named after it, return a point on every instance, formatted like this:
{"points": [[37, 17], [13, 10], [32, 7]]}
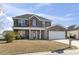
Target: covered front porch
{"points": [[36, 34], [32, 34]]}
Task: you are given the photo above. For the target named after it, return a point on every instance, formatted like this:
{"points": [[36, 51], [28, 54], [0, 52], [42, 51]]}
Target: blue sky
{"points": [[59, 13]]}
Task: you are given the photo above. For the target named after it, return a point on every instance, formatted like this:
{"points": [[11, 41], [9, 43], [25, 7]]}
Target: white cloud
{"points": [[38, 6], [72, 15], [74, 7], [68, 15], [51, 17], [18, 11], [42, 4], [13, 11]]}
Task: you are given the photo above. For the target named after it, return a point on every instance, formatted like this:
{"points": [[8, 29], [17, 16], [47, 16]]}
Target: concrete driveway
{"points": [[70, 52], [66, 52]]}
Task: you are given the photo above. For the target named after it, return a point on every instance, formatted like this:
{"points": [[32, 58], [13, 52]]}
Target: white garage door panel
{"points": [[56, 34]]}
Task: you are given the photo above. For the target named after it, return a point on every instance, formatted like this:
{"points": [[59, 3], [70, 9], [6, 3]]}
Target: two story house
{"points": [[31, 26], [73, 30]]}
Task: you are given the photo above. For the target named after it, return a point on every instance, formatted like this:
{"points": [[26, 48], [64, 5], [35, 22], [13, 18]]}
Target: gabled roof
{"points": [[56, 28], [73, 27], [27, 16]]}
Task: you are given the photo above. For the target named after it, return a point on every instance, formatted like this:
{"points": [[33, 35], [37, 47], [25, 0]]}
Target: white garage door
{"points": [[56, 35]]}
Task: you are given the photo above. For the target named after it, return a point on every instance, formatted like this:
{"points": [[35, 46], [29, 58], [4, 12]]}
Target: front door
{"points": [[34, 35]]}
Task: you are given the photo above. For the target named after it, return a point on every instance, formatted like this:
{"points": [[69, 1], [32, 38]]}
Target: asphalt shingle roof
{"points": [[57, 28], [29, 15], [73, 27]]}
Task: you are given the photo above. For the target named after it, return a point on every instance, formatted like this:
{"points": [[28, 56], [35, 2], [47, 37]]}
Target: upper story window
{"points": [[21, 22], [34, 23]]}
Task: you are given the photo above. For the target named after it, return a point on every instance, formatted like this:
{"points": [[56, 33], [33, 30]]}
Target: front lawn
{"points": [[29, 46]]}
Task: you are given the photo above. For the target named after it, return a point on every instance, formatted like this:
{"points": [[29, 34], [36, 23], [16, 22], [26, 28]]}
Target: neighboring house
{"points": [[73, 31], [56, 32], [31, 26], [1, 36]]}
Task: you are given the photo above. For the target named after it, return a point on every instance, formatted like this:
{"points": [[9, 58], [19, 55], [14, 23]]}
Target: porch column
{"points": [[40, 34], [36, 34], [44, 23], [29, 34], [46, 34]]}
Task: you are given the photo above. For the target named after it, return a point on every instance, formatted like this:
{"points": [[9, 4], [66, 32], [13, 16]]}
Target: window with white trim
{"points": [[34, 22], [21, 22]]}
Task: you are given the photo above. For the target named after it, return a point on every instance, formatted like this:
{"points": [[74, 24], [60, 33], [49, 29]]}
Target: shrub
{"points": [[10, 36], [17, 36]]}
